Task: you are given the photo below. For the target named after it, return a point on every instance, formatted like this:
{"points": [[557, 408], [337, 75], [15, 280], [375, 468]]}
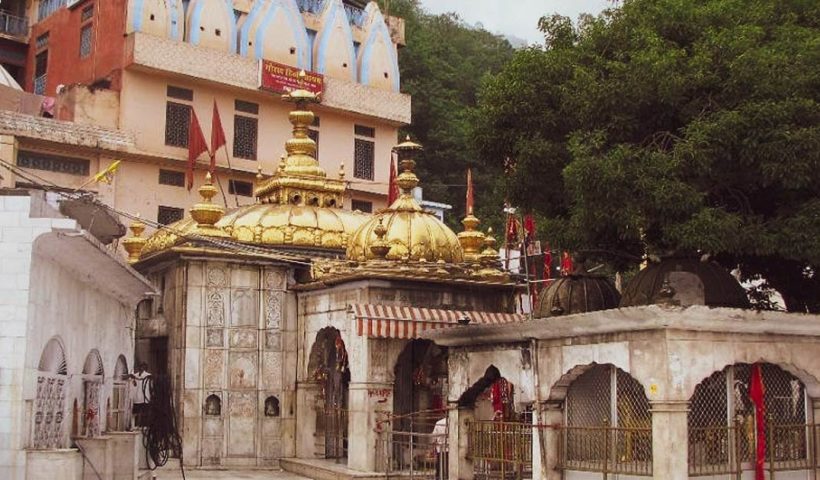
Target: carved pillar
{"points": [[670, 440], [369, 402], [460, 467]]}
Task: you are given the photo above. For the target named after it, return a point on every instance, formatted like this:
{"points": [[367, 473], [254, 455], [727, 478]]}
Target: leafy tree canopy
{"points": [[442, 67], [677, 125]]}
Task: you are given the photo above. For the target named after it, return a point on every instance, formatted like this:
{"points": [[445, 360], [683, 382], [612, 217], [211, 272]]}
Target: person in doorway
{"points": [[439, 435], [140, 393]]}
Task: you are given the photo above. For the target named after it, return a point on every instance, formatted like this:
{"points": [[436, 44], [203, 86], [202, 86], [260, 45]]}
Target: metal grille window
{"points": [[171, 177], [169, 215], [41, 41], [245, 135], [608, 424], [362, 131], [722, 422], [41, 72], [238, 187], [362, 206], [364, 159], [177, 124], [86, 34], [52, 163], [87, 13]]}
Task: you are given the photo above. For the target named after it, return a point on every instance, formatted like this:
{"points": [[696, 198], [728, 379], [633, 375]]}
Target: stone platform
{"points": [[319, 469]]}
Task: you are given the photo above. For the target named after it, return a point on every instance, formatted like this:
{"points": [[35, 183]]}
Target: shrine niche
{"points": [[213, 406], [272, 407], [49, 405], [328, 367]]}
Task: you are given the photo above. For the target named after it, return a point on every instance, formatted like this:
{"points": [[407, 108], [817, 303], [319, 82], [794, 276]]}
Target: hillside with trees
{"points": [[668, 126]]}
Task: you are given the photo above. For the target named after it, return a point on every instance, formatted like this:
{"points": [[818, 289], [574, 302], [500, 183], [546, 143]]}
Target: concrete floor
{"points": [[174, 474]]}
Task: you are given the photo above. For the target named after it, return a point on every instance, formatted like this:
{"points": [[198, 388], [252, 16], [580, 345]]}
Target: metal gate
{"points": [[414, 445], [501, 450], [331, 433]]}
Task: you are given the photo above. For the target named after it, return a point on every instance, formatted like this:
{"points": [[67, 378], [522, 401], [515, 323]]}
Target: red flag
{"points": [[756, 393], [512, 230], [393, 187], [470, 201], [566, 263], [547, 263], [529, 228], [217, 136], [197, 145]]}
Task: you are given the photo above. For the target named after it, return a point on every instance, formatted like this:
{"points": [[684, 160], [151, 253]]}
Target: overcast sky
{"points": [[514, 17]]}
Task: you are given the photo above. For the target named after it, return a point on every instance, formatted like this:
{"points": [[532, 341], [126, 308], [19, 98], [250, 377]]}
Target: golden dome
{"points": [[411, 233], [293, 225]]}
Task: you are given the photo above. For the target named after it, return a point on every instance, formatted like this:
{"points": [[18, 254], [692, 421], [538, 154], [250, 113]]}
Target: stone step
{"points": [[320, 469]]}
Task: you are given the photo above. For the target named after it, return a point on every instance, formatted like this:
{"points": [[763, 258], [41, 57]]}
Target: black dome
{"points": [[692, 282], [577, 293]]}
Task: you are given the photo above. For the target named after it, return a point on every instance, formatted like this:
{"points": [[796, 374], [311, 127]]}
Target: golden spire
{"points": [[489, 259], [300, 180], [471, 239], [379, 247], [133, 245], [407, 179], [207, 213]]}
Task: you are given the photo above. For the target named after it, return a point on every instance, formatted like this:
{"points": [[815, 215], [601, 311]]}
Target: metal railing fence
{"points": [[13, 25], [605, 449], [501, 450], [411, 447]]}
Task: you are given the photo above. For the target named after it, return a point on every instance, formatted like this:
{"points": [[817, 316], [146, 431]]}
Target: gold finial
{"points": [[379, 247], [207, 213], [259, 176], [489, 256], [282, 162], [471, 239], [407, 179], [133, 245], [342, 171]]}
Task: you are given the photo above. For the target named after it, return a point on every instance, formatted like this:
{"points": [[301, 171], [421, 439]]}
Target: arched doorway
{"points": [[500, 436], [723, 432], [49, 404], [608, 425], [328, 367], [93, 375]]}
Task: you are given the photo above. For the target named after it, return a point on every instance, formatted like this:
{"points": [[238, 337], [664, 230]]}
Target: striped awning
{"points": [[384, 321]]}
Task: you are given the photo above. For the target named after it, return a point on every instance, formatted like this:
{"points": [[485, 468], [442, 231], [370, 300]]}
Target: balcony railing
{"points": [[356, 16], [47, 7], [13, 25]]}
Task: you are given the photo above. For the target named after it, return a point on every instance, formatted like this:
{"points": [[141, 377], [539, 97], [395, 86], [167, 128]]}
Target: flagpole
{"points": [[228, 158], [221, 188]]}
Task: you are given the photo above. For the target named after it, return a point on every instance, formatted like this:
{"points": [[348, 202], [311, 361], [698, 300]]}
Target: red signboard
{"points": [[279, 78]]}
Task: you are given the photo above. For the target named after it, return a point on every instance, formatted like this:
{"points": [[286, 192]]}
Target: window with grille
{"points": [[86, 34], [245, 135], [177, 124], [238, 187], [87, 13], [40, 72], [53, 163], [608, 423], [722, 421], [41, 41], [180, 93], [169, 215], [171, 177], [364, 159], [246, 107], [362, 206], [363, 131]]}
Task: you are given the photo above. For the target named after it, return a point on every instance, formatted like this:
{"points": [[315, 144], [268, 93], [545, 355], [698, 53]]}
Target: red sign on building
{"points": [[279, 78]]}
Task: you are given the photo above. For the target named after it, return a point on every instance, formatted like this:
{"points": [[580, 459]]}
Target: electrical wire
{"points": [[225, 244]]}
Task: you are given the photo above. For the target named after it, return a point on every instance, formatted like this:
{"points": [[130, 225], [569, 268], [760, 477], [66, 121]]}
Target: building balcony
{"points": [[13, 26], [154, 54]]}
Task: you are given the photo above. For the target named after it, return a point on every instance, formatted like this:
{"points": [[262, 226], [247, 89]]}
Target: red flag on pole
{"points": [[217, 136], [393, 187], [197, 145], [470, 200], [757, 392], [547, 263]]}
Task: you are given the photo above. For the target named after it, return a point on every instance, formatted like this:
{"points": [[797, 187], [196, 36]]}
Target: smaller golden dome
{"points": [[412, 234]]}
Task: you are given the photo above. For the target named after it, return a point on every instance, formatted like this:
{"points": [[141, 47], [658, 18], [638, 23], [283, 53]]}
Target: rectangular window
{"points": [[364, 158], [238, 187], [180, 93], [169, 215], [40, 72], [245, 134], [171, 177], [53, 163], [177, 124], [85, 40], [362, 206], [362, 131], [41, 41]]}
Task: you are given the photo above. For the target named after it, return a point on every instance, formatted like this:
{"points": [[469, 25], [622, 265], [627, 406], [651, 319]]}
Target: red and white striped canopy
{"points": [[384, 321]]}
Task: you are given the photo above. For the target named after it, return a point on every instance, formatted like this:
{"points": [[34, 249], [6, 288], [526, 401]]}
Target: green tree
{"points": [[671, 124], [442, 67]]}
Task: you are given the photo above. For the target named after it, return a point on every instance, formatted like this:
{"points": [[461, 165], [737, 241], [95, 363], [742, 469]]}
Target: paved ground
{"points": [[174, 474]]}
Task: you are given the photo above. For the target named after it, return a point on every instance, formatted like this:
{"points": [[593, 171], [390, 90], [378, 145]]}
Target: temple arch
{"points": [[328, 367], [119, 412], [49, 403], [93, 375]]}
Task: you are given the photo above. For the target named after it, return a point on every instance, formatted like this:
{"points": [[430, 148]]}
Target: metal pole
{"points": [[526, 256]]}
